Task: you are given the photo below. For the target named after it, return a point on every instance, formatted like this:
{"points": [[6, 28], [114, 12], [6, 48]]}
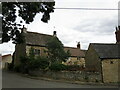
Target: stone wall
{"points": [[92, 60], [19, 52], [70, 75], [5, 61], [110, 69]]}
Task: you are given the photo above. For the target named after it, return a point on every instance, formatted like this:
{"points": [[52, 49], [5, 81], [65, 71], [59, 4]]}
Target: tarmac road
{"points": [[13, 80]]}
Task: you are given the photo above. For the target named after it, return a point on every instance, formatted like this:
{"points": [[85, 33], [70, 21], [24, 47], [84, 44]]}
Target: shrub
{"points": [[57, 67], [28, 63], [41, 62], [17, 68], [10, 66]]}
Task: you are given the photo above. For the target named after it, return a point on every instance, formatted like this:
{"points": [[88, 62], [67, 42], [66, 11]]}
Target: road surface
{"points": [[13, 80]]}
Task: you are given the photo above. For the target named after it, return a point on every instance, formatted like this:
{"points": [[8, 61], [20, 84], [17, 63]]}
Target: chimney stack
{"points": [[117, 34], [78, 45], [24, 29], [54, 33]]}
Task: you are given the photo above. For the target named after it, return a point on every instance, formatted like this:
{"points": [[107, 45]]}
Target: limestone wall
{"points": [[70, 75], [5, 61], [110, 69], [19, 52], [92, 60]]}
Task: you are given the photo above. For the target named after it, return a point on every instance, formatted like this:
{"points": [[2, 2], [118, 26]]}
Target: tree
{"points": [[56, 51], [27, 11]]}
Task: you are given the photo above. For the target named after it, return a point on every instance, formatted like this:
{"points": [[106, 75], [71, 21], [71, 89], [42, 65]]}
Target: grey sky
{"points": [[72, 26]]}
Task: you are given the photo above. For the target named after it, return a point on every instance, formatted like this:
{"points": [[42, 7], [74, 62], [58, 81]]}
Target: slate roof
{"points": [[75, 52], [107, 50], [34, 38], [6, 55], [39, 39]]}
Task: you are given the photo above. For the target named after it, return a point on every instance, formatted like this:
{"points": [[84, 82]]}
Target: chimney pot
{"points": [[54, 33], [117, 34], [24, 29], [78, 45]]}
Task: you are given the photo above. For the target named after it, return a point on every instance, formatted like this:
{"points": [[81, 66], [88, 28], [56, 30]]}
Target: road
{"points": [[13, 80]]}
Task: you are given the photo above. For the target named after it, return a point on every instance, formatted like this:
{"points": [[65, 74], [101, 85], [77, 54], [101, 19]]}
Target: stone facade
{"points": [[76, 61], [77, 56], [19, 52], [5, 60], [92, 60], [38, 42], [105, 59], [23, 50], [110, 69], [42, 50]]}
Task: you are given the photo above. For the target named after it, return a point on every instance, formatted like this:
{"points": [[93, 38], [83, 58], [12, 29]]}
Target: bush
{"points": [[28, 63], [17, 68], [41, 63], [57, 67], [10, 66]]}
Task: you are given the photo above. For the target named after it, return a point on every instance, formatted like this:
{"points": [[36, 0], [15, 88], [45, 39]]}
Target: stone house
{"points": [[34, 40], [104, 58], [77, 56], [38, 41], [6, 59]]}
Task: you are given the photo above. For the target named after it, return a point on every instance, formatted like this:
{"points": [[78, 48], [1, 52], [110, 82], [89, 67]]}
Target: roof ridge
{"points": [[103, 43], [70, 47], [38, 33], [6, 55]]}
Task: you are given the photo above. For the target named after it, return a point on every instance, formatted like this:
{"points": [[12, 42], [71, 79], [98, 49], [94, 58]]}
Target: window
{"points": [[111, 62], [36, 51], [78, 58]]}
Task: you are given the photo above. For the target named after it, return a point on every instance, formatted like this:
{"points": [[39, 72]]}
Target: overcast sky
{"points": [[72, 26]]}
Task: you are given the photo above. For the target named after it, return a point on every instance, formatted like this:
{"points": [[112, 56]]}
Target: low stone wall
{"points": [[70, 75]]}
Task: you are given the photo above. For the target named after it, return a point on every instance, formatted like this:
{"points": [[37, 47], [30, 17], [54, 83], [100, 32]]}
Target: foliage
{"points": [[40, 62], [31, 53], [25, 64], [10, 66], [32, 62], [17, 68], [27, 11], [56, 51], [57, 66]]}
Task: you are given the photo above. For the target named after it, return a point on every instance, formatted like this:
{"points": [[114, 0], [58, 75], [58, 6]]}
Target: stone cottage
{"points": [[34, 40], [77, 56], [38, 42], [6, 59], [104, 58]]}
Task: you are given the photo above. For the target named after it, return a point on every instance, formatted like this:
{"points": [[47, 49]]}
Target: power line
{"points": [[89, 8]]}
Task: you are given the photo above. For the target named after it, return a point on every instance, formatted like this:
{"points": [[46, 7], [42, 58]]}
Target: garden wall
{"points": [[70, 75]]}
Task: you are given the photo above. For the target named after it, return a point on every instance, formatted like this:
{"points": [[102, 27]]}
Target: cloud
{"points": [[7, 48], [98, 26], [77, 25]]}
